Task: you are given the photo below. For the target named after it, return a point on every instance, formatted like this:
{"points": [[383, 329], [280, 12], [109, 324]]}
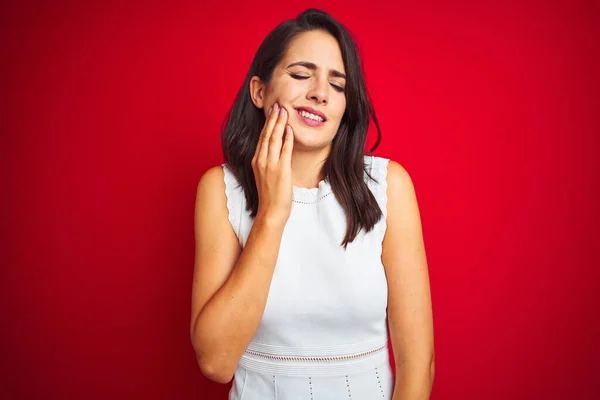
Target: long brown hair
{"points": [[344, 168]]}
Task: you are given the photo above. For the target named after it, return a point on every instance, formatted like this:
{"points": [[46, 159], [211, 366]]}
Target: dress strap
{"points": [[377, 167], [235, 200]]}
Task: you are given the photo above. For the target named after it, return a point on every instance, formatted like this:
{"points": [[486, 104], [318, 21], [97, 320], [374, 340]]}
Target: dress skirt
{"points": [[367, 376]]}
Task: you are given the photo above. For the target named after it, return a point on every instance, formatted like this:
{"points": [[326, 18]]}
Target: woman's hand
{"points": [[272, 166]]}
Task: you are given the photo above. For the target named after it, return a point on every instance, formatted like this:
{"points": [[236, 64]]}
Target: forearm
{"points": [[229, 320], [414, 381]]}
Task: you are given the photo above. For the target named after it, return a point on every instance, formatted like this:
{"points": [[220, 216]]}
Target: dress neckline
{"points": [[310, 194], [314, 195]]}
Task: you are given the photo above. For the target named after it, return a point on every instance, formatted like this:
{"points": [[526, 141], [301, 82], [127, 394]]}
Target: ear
{"points": [[257, 92]]}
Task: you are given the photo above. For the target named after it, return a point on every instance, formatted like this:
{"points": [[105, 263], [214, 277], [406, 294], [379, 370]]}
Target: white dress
{"points": [[323, 334]]}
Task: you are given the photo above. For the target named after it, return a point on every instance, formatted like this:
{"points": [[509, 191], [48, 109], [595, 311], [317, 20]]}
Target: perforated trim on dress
{"points": [[312, 201], [379, 381], [348, 386]]}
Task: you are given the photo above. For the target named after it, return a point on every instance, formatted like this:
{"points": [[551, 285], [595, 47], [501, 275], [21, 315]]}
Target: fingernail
{"points": [[282, 111], [275, 107]]}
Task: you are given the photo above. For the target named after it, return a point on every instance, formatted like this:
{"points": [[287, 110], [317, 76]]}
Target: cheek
{"points": [[341, 109], [286, 91]]}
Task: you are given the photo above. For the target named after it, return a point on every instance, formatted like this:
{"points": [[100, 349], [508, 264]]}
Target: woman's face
{"points": [[310, 78]]}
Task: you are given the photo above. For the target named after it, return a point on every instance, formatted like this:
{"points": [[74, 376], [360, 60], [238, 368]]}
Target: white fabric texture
{"points": [[323, 334]]}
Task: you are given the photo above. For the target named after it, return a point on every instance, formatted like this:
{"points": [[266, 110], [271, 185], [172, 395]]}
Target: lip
{"points": [[312, 111]]}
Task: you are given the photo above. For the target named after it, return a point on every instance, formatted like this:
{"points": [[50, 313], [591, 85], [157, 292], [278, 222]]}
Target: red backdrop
{"points": [[111, 114]]}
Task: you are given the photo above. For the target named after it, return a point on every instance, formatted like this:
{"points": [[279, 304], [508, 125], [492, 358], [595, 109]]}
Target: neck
{"points": [[307, 167]]}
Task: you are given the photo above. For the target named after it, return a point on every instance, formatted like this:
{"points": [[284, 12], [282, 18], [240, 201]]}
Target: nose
{"points": [[319, 91]]}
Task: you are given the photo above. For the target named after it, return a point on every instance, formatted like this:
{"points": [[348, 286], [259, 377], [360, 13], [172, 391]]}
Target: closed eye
{"points": [[299, 76], [336, 87]]}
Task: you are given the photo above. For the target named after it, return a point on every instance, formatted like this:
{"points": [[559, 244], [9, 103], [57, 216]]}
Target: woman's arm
{"points": [[230, 285], [410, 316]]}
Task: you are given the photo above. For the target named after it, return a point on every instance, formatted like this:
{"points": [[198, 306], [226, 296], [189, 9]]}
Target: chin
{"points": [[310, 140]]}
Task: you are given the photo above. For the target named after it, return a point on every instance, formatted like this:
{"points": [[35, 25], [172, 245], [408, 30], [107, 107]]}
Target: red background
{"points": [[111, 113]]}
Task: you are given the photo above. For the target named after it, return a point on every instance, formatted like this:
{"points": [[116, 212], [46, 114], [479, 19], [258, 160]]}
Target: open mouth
{"points": [[309, 118]]}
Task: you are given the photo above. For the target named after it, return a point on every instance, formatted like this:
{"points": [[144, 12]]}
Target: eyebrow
{"points": [[314, 67]]}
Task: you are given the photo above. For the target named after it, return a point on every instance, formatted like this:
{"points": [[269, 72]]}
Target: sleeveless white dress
{"points": [[323, 334]]}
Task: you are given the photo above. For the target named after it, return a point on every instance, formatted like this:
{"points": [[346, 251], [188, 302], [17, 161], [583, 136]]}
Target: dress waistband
{"points": [[316, 360]]}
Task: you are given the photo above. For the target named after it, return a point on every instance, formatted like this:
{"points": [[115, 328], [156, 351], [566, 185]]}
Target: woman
{"points": [[306, 248]]}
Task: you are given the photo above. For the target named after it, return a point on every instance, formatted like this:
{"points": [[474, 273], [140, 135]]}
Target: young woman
{"points": [[306, 247]]}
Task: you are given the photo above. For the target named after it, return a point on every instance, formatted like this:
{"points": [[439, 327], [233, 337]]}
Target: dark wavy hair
{"points": [[344, 168]]}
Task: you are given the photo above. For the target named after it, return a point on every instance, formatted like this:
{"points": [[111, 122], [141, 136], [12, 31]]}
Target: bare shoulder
{"points": [[211, 212], [212, 183], [400, 187], [403, 218]]}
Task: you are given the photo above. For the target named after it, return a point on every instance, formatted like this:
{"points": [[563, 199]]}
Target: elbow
{"points": [[217, 369], [214, 373]]}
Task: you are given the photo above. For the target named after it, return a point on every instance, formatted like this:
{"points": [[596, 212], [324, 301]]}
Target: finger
{"points": [[276, 135], [261, 134], [288, 146], [266, 133]]}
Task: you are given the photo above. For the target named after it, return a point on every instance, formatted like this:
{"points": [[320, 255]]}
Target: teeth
{"points": [[311, 116]]}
